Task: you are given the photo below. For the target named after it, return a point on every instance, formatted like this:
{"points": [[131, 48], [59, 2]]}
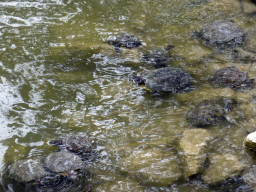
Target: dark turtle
{"points": [[168, 79], [221, 34], [64, 162], [233, 78], [158, 58], [209, 112], [124, 40], [78, 143], [27, 170]]}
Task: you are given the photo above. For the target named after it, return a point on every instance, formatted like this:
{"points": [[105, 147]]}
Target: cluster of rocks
{"points": [[58, 169]]}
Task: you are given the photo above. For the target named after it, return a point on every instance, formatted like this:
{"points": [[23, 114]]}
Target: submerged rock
{"points": [[233, 78], [209, 112], [250, 141], [64, 162], [152, 167], [120, 185], [221, 168], [79, 143], [221, 34], [249, 176], [27, 170], [168, 79], [194, 144], [241, 3], [124, 40]]}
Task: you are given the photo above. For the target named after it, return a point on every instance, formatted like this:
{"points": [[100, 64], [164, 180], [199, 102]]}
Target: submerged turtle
{"points": [[168, 79], [158, 58], [209, 112], [78, 143], [124, 40], [27, 170], [233, 78], [221, 34]]}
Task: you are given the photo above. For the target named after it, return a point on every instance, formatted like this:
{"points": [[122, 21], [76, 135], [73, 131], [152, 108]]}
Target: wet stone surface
{"points": [[168, 79], [221, 34], [152, 167], [233, 78], [194, 144], [250, 141], [209, 112], [221, 168]]}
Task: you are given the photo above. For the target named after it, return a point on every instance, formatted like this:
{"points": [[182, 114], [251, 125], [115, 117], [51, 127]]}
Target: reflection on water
{"points": [[57, 75]]}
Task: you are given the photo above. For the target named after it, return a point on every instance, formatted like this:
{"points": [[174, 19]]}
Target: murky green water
{"points": [[58, 76]]}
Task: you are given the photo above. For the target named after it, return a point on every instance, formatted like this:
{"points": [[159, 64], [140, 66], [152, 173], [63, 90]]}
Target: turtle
{"points": [[64, 162], [27, 170], [167, 79], [210, 112], [158, 58], [233, 78], [78, 143], [221, 34], [124, 40]]}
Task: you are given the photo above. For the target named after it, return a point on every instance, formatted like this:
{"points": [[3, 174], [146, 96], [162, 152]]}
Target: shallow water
{"points": [[57, 75]]}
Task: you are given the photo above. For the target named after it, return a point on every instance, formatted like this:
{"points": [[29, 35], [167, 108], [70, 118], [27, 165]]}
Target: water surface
{"points": [[57, 75]]}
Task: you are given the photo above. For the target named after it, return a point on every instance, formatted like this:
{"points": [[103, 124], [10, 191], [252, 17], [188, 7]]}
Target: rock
{"points": [[209, 112], [221, 168], [221, 34], [168, 79], [193, 146], [64, 161], [152, 167], [250, 140], [233, 78], [79, 143], [241, 3], [249, 176], [27, 170]]}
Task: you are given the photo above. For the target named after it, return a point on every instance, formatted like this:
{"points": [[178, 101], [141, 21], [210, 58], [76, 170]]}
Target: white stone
{"points": [[250, 140]]}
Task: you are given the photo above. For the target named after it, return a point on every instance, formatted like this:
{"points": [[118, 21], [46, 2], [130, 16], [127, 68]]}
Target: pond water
{"points": [[57, 76]]}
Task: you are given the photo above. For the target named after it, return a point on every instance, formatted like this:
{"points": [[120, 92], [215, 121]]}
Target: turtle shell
{"points": [[74, 142], [209, 112], [220, 33], [27, 170], [63, 161], [233, 78], [168, 79]]}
